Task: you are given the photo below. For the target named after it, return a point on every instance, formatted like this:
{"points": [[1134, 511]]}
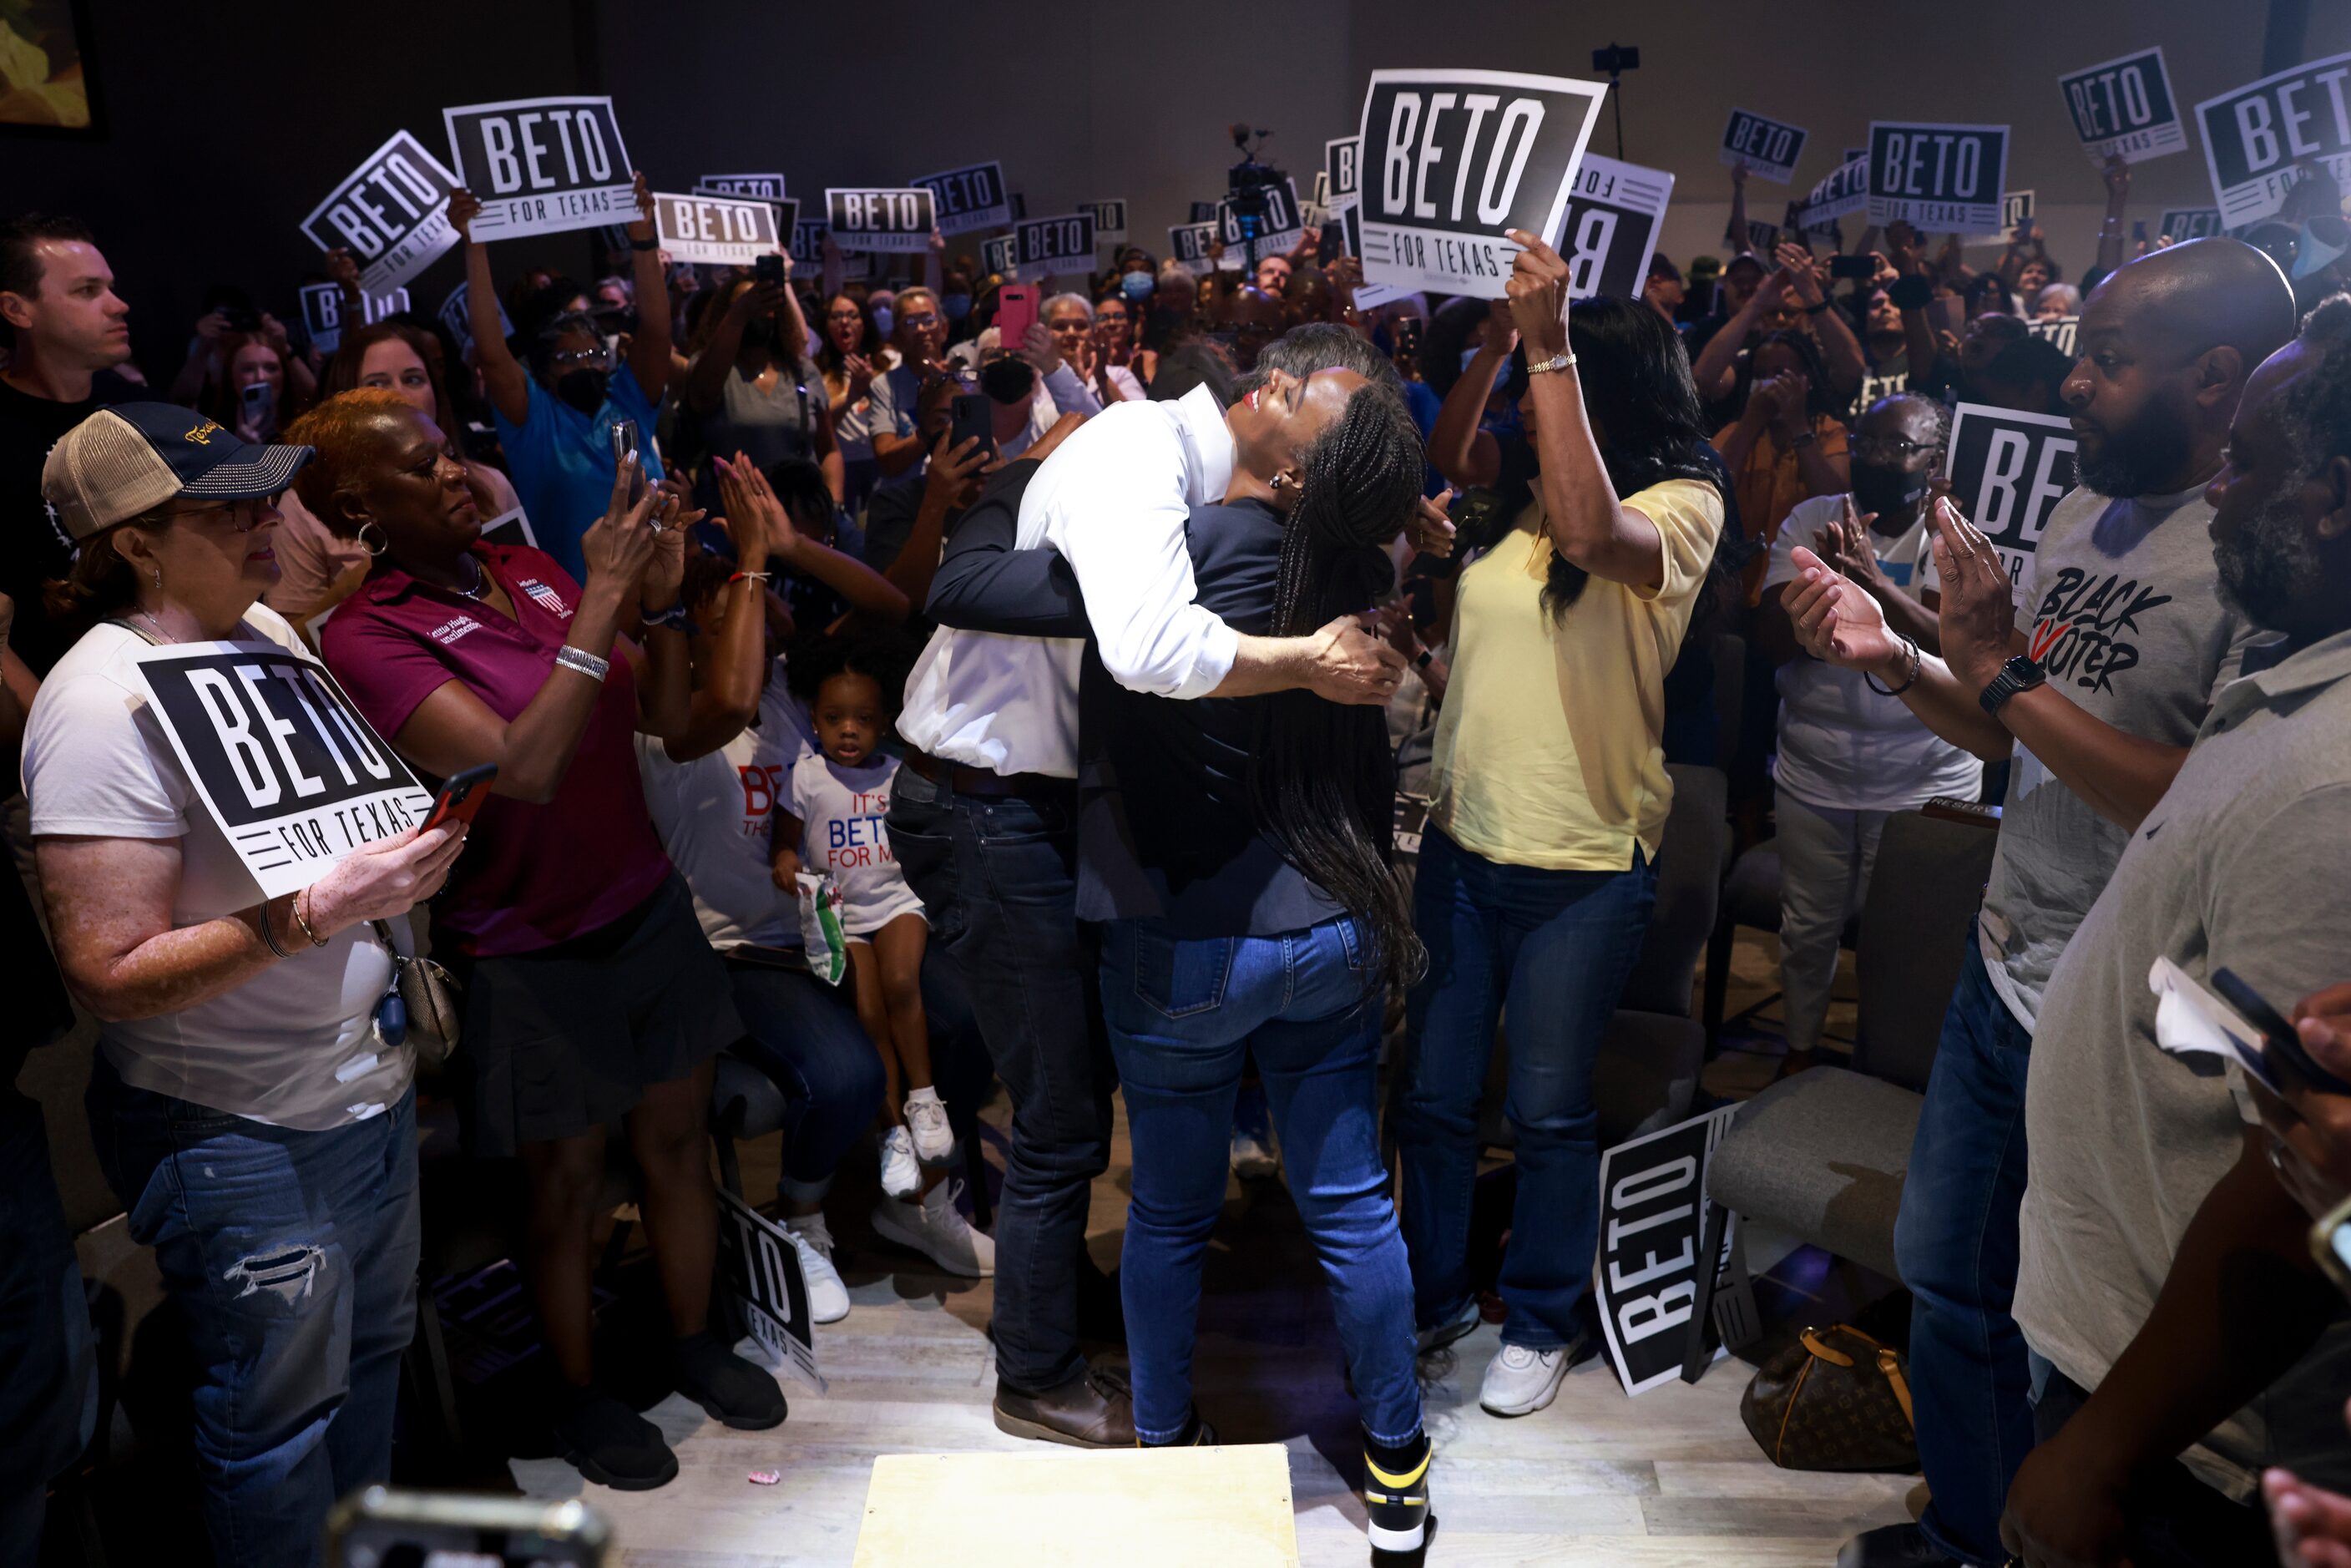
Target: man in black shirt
{"points": [[69, 331]]}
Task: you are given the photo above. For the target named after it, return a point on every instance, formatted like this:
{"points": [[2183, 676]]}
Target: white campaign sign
{"points": [[1844, 191], [2254, 136], [1342, 172], [756, 187], [284, 763], [1279, 228], [1000, 254], [323, 312], [2007, 471], [2189, 223], [1048, 245], [1937, 177], [2124, 107], [1765, 147], [1450, 159], [1613, 223], [392, 211], [542, 165], [721, 231], [763, 1268], [2059, 330], [872, 218], [972, 197], [1652, 1213], [1109, 220], [1190, 243]]}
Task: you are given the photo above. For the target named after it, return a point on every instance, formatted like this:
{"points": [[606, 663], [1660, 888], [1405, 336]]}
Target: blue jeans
{"points": [[1956, 1243], [292, 1259], [1553, 948], [805, 1035], [998, 878], [1183, 1014]]}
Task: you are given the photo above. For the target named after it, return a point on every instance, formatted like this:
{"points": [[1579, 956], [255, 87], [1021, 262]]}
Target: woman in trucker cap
{"points": [[259, 1129]]}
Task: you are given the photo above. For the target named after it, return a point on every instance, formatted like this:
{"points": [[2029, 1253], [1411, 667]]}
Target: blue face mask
{"points": [[884, 323], [956, 306], [1137, 286]]}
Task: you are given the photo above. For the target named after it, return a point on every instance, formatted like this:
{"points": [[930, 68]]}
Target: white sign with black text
{"points": [[1342, 172], [1842, 192], [719, 231], [1450, 159], [542, 165], [1279, 227], [2015, 210], [1000, 253], [2007, 470], [1653, 1211], [1109, 221], [972, 197], [2124, 107], [285, 765], [2060, 331], [2189, 223], [391, 212], [752, 187], [1937, 177], [1063, 244], [323, 312], [2254, 136], [1614, 221], [1192, 242], [1765, 147], [872, 218], [763, 1270]]}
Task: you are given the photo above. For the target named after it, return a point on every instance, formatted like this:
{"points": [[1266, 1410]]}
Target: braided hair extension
{"points": [[1321, 780]]}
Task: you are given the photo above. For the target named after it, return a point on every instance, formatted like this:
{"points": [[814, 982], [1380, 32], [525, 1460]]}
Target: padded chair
{"points": [[1729, 695], [1823, 1154]]}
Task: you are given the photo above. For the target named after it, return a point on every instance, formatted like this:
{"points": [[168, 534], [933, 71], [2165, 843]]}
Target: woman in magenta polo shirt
{"points": [[590, 994]]}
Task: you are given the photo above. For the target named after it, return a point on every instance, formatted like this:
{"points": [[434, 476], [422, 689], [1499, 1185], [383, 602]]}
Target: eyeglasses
{"points": [[582, 359], [927, 318], [1895, 446], [852, 315], [240, 518]]}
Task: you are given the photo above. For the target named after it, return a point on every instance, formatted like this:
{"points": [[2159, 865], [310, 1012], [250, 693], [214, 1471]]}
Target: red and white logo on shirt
{"points": [[547, 597]]}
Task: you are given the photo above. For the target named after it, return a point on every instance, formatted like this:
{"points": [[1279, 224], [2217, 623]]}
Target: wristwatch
{"points": [[2019, 675], [1545, 367]]}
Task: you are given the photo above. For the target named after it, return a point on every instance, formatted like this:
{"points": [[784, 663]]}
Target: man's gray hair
{"points": [[1069, 296]]}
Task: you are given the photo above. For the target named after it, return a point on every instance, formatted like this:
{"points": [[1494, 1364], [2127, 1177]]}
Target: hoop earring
{"points": [[383, 544]]}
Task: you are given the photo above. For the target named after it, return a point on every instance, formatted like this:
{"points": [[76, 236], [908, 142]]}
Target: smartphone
{"points": [[381, 1528], [239, 320], [1330, 243], [769, 268], [626, 443], [462, 797], [973, 414], [1016, 312], [257, 397], [2279, 1036], [2330, 1243], [1842, 266]]}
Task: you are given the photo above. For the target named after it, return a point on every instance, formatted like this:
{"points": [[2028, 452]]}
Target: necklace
{"points": [[481, 589], [161, 636]]}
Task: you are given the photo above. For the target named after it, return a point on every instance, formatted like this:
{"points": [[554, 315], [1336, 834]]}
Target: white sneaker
{"points": [[1521, 1380], [926, 1119], [934, 1229], [827, 1296], [902, 1172]]}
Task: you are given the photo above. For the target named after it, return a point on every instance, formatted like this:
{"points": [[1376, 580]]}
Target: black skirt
{"points": [[566, 1039]]}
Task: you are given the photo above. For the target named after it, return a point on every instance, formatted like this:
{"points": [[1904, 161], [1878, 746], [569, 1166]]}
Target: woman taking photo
{"points": [[851, 356], [260, 1133], [591, 995], [1549, 793], [316, 567], [751, 388], [1114, 330], [1788, 444]]}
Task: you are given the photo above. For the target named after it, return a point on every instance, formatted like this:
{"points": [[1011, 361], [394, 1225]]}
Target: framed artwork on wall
{"points": [[48, 85]]}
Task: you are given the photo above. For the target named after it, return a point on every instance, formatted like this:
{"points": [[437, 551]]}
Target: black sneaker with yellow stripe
{"points": [[1395, 1497]]}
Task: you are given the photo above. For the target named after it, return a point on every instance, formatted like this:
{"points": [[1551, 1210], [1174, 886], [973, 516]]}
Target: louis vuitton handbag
{"points": [[1835, 1400]]}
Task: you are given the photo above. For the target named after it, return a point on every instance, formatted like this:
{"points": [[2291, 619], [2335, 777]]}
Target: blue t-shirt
{"points": [[1422, 401], [561, 462]]}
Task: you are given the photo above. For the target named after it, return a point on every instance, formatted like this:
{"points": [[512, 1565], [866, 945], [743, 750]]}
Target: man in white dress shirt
{"points": [[983, 821]]}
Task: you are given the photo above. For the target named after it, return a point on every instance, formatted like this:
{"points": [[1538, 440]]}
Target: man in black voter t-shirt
{"points": [[70, 330]]}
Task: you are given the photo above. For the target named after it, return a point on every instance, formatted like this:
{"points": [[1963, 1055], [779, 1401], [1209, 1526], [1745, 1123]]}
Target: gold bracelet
{"points": [[294, 904]]}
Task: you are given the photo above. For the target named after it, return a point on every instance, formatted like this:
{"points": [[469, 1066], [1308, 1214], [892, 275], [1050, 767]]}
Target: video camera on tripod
{"points": [[1246, 185]]}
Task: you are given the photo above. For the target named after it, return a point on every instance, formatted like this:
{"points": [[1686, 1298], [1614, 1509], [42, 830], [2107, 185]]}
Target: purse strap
{"points": [[1891, 1366]]}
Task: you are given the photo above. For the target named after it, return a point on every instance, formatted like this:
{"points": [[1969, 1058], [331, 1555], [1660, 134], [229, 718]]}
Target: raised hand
{"points": [[1430, 529], [641, 228], [954, 468], [2117, 175], [666, 568], [745, 526], [344, 269], [859, 372], [1537, 292], [1845, 547], [464, 208], [618, 546], [1977, 617], [1037, 347], [1835, 620]]}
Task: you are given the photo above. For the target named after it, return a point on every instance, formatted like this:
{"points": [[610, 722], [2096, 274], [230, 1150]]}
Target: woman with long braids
{"points": [[1549, 793]]}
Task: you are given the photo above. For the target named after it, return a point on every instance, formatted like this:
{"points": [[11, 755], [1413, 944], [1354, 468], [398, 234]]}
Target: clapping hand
{"points": [[744, 525], [1845, 545], [1977, 619], [1835, 620], [670, 520]]}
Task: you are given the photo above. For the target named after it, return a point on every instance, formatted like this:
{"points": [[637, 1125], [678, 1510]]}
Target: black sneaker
{"points": [[734, 1391], [1395, 1499], [611, 1444], [1894, 1546]]}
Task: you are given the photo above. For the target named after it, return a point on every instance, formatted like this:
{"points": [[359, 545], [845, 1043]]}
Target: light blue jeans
{"points": [[1183, 1015]]}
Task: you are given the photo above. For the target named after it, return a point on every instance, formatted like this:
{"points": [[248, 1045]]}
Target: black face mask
{"points": [[760, 333], [583, 390], [1008, 380], [1887, 491]]}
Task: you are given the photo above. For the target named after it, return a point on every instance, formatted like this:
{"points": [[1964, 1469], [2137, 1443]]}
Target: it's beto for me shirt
{"points": [[2123, 605]]}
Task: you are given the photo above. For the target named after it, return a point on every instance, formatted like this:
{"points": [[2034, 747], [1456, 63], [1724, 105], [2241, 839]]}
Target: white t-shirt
{"points": [[841, 812], [1841, 746], [294, 1046], [714, 815]]}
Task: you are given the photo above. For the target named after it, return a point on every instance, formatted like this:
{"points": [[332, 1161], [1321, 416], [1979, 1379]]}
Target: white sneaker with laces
{"points": [[811, 1238], [934, 1229], [1521, 1380], [902, 1172], [926, 1119]]}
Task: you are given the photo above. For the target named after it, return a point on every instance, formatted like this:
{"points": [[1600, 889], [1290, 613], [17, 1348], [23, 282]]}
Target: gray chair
{"points": [[1822, 1156]]}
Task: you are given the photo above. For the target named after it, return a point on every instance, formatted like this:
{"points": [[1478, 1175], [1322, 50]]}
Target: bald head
{"points": [[2205, 294]]}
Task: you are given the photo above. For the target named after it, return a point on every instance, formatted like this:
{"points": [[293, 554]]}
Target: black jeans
{"points": [[2176, 1521], [998, 878], [48, 1369]]}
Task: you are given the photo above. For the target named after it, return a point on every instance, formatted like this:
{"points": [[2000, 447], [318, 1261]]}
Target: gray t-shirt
{"points": [[2246, 864], [2122, 602]]}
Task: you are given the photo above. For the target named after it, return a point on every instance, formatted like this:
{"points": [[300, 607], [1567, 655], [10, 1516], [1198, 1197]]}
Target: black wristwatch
{"points": [[2019, 675], [1426, 659], [652, 243]]}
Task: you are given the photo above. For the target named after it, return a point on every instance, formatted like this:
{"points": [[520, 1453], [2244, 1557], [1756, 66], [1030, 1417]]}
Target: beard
{"points": [[2263, 559], [2139, 458]]}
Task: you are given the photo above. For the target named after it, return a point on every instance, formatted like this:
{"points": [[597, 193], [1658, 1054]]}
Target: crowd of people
{"points": [[891, 757]]}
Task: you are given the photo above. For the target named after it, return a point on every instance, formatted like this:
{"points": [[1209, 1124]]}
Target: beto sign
{"points": [[1937, 177], [875, 218], [392, 211], [1064, 244], [2254, 136], [2124, 107], [968, 198], [1614, 221], [1765, 147], [542, 165], [1452, 158], [1342, 166], [2008, 469], [719, 230], [1652, 1213]]}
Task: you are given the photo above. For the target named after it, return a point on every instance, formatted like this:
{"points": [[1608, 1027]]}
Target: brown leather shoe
{"points": [[1092, 1410]]}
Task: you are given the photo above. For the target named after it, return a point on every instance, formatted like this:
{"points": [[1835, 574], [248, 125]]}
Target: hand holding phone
{"points": [[1016, 312], [769, 269], [627, 442], [462, 797], [2280, 1039]]}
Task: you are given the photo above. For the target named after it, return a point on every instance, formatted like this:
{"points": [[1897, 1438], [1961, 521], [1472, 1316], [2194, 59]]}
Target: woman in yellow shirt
{"points": [[1550, 794]]}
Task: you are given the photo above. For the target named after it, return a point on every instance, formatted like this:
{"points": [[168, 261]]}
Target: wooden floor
{"points": [[1671, 1478]]}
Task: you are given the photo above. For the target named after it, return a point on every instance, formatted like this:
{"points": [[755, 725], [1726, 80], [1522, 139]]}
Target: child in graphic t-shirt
{"points": [[831, 820]]}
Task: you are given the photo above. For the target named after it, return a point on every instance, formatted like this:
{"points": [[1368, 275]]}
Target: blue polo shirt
{"points": [[561, 462]]}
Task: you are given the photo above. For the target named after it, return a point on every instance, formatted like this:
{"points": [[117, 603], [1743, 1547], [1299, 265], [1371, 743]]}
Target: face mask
{"points": [[760, 333], [882, 321], [583, 390], [1888, 492], [956, 306], [1136, 285], [1008, 380]]}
